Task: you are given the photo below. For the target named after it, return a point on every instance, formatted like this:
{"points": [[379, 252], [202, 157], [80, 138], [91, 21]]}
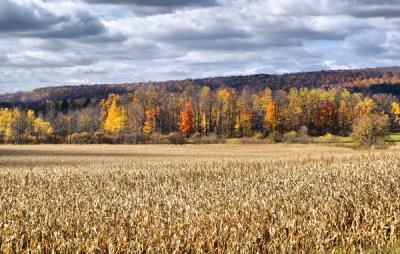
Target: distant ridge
{"points": [[324, 79]]}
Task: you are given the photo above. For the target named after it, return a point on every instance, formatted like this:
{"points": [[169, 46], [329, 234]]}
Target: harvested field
{"points": [[194, 199]]}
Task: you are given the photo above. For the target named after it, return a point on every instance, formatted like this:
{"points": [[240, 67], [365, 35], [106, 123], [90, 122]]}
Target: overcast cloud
{"points": [[57, 42]]}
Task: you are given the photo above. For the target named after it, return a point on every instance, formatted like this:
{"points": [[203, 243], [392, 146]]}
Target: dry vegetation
{"points": [[211, 198]]}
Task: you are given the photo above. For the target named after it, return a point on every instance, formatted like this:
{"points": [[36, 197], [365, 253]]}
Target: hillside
{"points": [[318, 103], [377, 80]]}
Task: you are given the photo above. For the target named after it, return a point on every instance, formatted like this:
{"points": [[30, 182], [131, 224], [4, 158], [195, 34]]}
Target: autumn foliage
{"points": [[150, 115], [186, 123]]}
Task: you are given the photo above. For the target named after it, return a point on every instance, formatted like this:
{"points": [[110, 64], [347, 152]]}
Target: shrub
{"points": [[120, 138], [212, 138], [80, 138], [290, 137], [156, 138], [328, 138], [98, 137], [176, 138], [274, 137], [165, 140], [197, 138], [304, 138], [370, 130], [303, 131], [259, 135], [140, 138]]}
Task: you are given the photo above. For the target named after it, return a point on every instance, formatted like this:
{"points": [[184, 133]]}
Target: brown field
{"points": [[192, 199]]}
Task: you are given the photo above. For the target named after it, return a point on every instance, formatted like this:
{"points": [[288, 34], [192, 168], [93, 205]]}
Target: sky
{"points": [[58, 42]]}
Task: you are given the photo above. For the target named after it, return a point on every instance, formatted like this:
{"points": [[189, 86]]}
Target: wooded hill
{"points": [[367, 81]]}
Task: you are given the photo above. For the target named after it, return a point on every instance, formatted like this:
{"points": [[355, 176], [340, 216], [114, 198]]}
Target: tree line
{"points": [[367, 81], [156, 114]]}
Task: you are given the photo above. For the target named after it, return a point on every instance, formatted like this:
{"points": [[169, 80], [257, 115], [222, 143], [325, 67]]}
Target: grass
{"points": [[395, 138], [198, 199], [345, 140], [232, 140]]}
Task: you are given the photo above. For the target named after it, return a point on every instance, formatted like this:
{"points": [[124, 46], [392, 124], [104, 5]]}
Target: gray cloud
{"points": [[156, 3], [97, 41], [33, 21], [19, 18], [151, 7], [81, 24]]}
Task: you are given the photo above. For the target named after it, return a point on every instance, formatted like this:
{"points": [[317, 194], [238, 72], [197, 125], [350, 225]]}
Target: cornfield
{"points": [[198, 199]]}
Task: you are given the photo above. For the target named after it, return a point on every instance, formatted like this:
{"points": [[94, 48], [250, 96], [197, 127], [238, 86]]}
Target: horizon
{"points": [[189, 78], [51, 43]]}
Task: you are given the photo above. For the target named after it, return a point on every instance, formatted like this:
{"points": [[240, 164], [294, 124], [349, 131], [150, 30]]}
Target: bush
{"points": [[122, 138], [304, 138], [165, 140], [156, 138], [197, 138], [370, 131], [98, 137], [212, 138], [80, 138], [274, 137], [140, 138], [303, 131], [176, 138], [328, 139], [259, 135], [290, 137]]}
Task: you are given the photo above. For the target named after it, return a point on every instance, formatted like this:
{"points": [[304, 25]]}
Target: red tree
{"points": [[187, 119]]}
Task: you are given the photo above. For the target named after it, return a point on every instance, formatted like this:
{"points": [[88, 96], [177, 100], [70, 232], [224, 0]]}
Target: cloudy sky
{"points": [[59, 42]]}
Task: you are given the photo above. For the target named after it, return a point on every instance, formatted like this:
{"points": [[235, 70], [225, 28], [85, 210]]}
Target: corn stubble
{"points": [[207, 199]]}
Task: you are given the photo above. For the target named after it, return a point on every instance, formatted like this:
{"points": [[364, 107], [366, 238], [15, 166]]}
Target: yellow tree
{"points": [[267, 97], [206, 109], [271, 117], [105, 106], [226, 111], [31, 117], [150, 124], [343, 117], [311, 106], [260, 105], [294, 108], [365, 107], [18, 126], [42, 129], [5, 123], [259, 111], [116, 118], [243, 119], [396, 112]]}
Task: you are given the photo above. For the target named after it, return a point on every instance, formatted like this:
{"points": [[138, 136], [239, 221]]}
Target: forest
{"points": [[152, 114], [204, 110]]}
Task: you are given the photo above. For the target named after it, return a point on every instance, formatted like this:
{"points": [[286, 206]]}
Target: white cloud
{"points": [[90, 69], [78, 81]]}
